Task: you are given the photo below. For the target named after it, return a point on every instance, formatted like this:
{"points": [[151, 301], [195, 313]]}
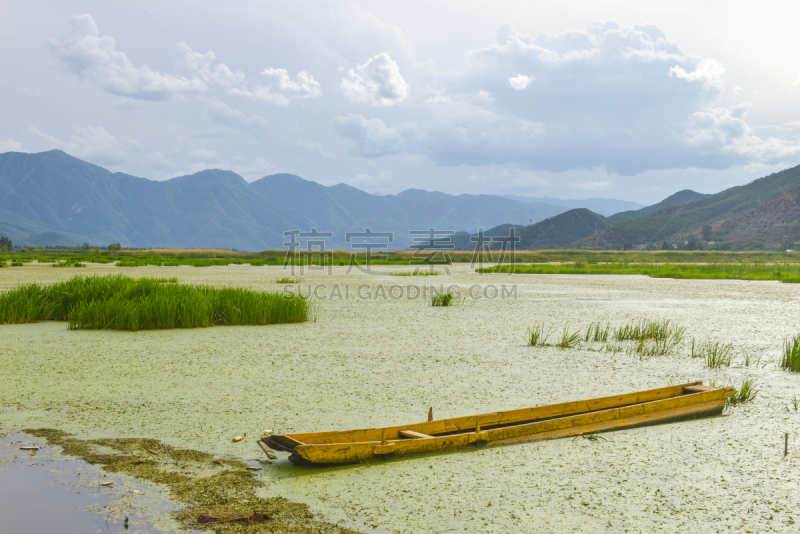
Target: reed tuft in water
{"points": [[598, 331], [538, 334], [791, 354], [287, 281], [747, 392], [569, 340], [122, 303], [717, 354], [445, 299]]}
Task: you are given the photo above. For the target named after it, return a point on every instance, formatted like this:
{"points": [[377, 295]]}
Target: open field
{"points": [[210, 258], [380, 360], [783, 271]]}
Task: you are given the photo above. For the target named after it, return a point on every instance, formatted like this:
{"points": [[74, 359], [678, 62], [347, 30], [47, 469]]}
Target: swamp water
{"points": [[49, 492], [381, 362]]}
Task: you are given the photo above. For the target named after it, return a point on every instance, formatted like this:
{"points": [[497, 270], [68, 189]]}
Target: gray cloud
{"points": [[372, 137]]}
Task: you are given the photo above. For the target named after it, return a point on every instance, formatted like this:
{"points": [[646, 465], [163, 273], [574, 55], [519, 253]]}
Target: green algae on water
{"points": [[201, 482]]}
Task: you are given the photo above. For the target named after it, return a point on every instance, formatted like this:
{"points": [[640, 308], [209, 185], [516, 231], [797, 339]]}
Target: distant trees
{"points": [[627, 245], [5, 244], [114, 246], [665, 245], [692, 243], [706, 233]]}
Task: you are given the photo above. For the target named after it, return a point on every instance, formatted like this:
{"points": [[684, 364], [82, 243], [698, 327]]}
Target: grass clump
{"points": [[203, 484], [17, 264], [288, 281], [791, 354], [718, 354], [747, 392], [415, 273], [597, 332], [122, 303], [653, 338], [715, 354], [444, 299], [537, 335], [569, 340]]}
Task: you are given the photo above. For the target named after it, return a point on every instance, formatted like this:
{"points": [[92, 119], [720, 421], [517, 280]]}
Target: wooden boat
{"points": [[672, 403]]}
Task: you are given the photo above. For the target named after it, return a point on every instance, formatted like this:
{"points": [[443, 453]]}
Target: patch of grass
{"points": [[653, 338], [537, 335], [68, 263], [17, 264], [747, 392], [569, 340], [288, 281], [122, 303], [598, 331], [656, 346], [644, 329], [747, 268], [442, 300], [415, 273], [791, 354], [715, 354], [197, 480]]}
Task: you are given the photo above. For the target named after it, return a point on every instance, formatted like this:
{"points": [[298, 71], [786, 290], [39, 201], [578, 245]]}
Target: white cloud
{"points": [[373, 139], [203, 64], [520, 81], [9, 145], [285, 88], [377, 82], [97, 59]]}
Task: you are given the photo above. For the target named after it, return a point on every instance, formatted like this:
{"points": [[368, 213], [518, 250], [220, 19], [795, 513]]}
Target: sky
{"points": [[628, 100]]}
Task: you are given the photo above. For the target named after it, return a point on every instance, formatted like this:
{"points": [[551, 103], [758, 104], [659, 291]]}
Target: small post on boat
{"points": [[430, 413], [383, 437], [478, 425]]}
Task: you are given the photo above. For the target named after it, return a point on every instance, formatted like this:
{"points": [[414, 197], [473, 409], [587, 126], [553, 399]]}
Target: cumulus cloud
{"points": [[285, 88], [520, 81], [97, 59], [373, 139], [377, 82], [9, 145]]}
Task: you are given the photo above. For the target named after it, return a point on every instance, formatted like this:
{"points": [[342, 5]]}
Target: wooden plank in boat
{"points": [[413, 435]]}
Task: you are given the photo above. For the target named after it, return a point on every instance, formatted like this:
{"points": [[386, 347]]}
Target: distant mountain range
{"points": [[765, 212], [51, 198], [603, 206]]}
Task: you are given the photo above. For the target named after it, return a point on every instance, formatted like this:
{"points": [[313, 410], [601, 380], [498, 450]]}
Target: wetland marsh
{"points": [[377, 362]]}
